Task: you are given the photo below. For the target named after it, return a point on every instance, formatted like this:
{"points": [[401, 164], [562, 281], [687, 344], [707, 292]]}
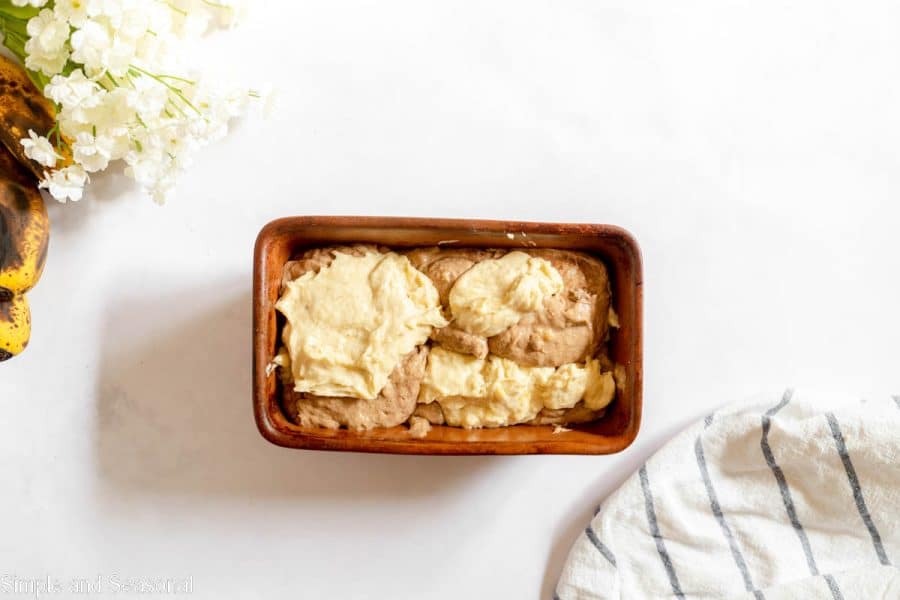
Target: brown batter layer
{"points": [[571, 327], [392, 406], [318, 258]]}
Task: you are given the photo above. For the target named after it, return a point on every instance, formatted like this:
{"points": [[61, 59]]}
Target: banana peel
{"points": [[23, 107], [24, 236], [15, 326], [24, 225]]}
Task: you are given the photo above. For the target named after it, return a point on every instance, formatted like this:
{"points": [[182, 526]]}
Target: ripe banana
{"points": [[24, 233], [24, 107], [24, 226], [15, 326]]}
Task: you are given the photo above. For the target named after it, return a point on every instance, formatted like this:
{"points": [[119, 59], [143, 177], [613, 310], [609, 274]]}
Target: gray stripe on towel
{"points": [[856, 489], [606, 552], [833, 586], [782, 482], [720, 518], [897, 400], [654, 531]]}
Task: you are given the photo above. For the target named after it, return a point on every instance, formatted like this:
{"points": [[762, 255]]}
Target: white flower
{"points": [[145, 158], [152, 49], [154, 170], [133, 23], [47, 32], [190, 24], [78, 98], [150, 97], [39, 149], [102, 48], [106, 8], [72, 11], [162, 188], [115, 109], [231, 12], [119, 56], [34, 3], [46, 49], [90, 47], [72, 90], [178, 144], [159, 16], [143, 169], [92, 153], [65, 184], [47, 63], [77, 117]]}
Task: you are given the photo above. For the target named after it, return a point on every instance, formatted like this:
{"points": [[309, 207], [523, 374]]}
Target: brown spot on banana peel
{"points": [[42, 256], [12, 169], [9, 253], [12, 209], [6, 311]]}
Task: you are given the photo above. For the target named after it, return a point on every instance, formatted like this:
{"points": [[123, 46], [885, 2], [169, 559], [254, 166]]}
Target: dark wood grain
{"points": [[281, 239]]}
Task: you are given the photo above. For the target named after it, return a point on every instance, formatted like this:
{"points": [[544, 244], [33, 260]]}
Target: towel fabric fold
{"points": [[786, 497]]}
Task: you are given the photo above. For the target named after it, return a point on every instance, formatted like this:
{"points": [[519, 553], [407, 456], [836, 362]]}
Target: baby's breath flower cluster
{"points": [[108, 67]]}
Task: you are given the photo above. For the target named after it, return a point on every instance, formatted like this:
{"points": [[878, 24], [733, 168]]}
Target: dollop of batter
{"points": [[495, 294], [350, 323], [494, 392]]}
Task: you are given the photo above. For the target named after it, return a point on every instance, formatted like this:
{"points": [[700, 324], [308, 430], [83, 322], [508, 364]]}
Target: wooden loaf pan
{"points": [[283, 239]]}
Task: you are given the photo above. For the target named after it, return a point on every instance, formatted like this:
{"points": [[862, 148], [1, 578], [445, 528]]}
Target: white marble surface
{"points": [[751, 147]]}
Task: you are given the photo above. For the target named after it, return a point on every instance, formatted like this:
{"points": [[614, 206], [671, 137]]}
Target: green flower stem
{"points": [[20, 13], [115, 83], [14, 36], [15, 43], [217, 5], [178, 108], [175, 8], [176, 78], [176, 91]]}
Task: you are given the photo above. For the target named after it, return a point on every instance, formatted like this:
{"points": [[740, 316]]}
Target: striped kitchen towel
{"points": [[789, 497]]}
